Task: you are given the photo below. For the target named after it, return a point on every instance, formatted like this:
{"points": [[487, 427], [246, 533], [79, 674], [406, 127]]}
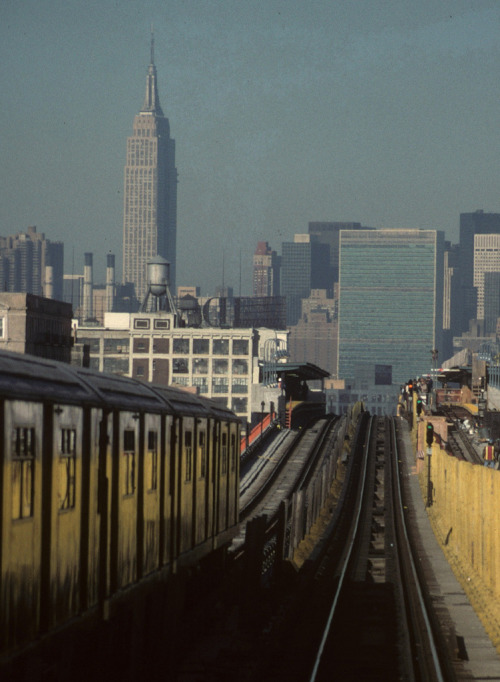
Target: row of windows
{"points": [[183, 345], [180, 346], [200, 366], [23, 466]]}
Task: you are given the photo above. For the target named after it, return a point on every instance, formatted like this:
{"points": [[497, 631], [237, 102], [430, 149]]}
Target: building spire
{"points": [[152, 100]]}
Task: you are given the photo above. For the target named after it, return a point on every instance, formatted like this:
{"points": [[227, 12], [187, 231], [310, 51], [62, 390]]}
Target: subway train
{"points": [[105, 481]]}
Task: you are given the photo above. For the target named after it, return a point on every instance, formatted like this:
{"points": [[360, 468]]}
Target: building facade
{"points": [[150, 191], [36, 326], [391, 300], [486, 259], [314, 337], [379, 398], [221, 364]]}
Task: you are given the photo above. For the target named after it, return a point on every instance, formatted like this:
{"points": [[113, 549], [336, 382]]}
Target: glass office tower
{"points": [[391, 300]]}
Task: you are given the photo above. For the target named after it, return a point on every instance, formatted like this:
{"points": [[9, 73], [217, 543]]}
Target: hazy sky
{"points": [[384, 112]]}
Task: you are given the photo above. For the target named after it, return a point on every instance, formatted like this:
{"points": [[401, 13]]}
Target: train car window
{"points": [[203, 454], [67, 468], [188, 446], [233, 452], [129, 461], [152, 460], [23, 470], [224, 454]]}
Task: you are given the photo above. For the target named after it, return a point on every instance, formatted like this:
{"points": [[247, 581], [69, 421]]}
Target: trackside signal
{"points": [[429, 434]]}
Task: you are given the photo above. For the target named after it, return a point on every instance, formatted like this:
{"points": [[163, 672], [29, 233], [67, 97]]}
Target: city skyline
{"points": [[382, 113]]}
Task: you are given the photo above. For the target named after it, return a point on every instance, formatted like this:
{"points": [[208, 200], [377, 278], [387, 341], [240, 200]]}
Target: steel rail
{"points": [[332, 422], [409, 561], [348, 554], [269, 480]]}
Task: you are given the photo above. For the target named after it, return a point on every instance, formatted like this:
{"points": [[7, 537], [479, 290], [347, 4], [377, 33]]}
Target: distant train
{"points": [[104, 482]]}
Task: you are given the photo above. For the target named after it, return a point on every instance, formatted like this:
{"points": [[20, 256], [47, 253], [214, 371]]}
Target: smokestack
{"points": [[49, 281], [88, 286], [110, 282]]}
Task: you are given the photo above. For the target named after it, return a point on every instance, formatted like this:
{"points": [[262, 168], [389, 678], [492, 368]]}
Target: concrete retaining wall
{"points": [[465, 515]]}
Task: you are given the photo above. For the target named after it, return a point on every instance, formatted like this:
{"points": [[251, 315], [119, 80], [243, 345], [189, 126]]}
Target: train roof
{"points": [[29, 377], [23, 376]]}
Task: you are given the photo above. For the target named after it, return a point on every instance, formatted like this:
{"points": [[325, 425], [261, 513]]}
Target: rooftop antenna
{"points": [[152, 45]]}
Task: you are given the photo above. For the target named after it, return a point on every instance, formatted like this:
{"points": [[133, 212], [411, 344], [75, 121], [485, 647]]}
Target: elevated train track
{"points": [[363, 613], [378, 625], [458, 441], [284, 468]]}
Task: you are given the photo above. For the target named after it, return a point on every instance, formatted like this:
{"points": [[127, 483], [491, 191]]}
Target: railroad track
{"points": [[378, 625], [285, 467], [458, 441], [363, 613], [358, 609]]}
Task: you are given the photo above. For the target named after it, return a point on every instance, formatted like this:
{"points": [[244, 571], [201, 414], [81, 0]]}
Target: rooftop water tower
{"points": [[158, 297]]}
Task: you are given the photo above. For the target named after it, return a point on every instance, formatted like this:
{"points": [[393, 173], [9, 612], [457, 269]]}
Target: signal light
{"points": [[419, 406], [429, 434]]}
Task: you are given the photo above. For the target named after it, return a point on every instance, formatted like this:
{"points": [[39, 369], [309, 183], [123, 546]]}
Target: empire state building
{"points": [[150, 191]]}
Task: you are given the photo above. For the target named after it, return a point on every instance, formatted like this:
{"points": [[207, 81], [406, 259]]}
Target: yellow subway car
{"points": [[105, 481]]}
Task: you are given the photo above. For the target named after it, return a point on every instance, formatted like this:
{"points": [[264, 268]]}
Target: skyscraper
{"points": [[266, 271], [305, 265], [30, 263], [471, 224], [391, 300], [328, 233], [150, 191], [486, 259]]}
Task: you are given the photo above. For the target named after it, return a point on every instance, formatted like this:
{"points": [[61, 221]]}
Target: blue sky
{"points": [[384, 112]]}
